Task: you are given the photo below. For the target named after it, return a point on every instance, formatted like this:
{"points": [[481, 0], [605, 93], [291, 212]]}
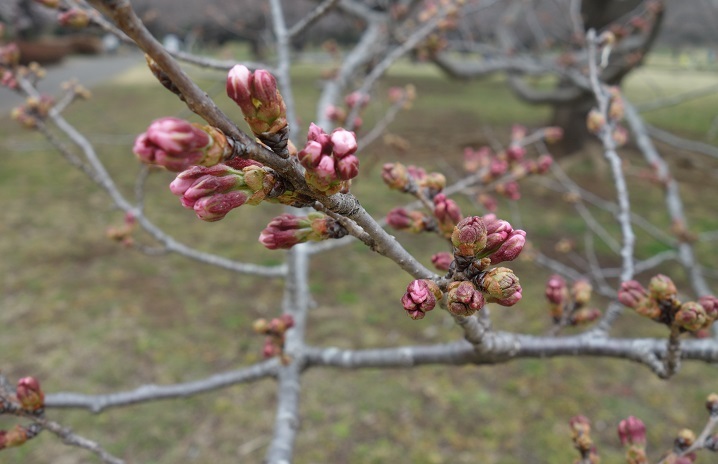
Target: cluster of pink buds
{"points": [[509, 166], [287, 230], [177, 145], [329, 159], [275, 331], [214, 191], [570, 307], [123, 234], [660, 303], [632, 433], [33, 111], [582, 441], [257, 96], [421, 296], [74, 17]]}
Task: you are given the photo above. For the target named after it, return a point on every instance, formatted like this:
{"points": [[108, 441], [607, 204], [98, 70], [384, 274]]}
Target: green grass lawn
{"points": [[84, 314]]}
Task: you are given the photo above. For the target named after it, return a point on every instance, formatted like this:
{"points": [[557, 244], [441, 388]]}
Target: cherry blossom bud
{"points": [[712, 404], [691, 316], [476, 159], [636, 454], [421, 296], [511, 248], [710, 305], [556, 290], [469, 237], [649, 308], [464, 299], [661, 287], [581, 292], [10, 57], [311, 154], [685, 439], [500, 283], [510, 190], [260, 326], [396, 176], [632, 294], [317, 134], [287, 230], [515, 152], [498, 167], [518, 132], [417, 173], [447, 213], [442, 261], [632, 431], [434, 181], [409, 221], [497, 231], [584, 316], [620, 136], [616, 110], [177, 145], [552, 134], [543, 164], [257, 96], [29, 394], [357, 98], [344, 142], [595, 121], [270, 348], [73, 17], [215, 207], [348, 167]]}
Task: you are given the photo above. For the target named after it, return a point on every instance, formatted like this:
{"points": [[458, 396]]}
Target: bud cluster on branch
{"points": [[570, 306]]}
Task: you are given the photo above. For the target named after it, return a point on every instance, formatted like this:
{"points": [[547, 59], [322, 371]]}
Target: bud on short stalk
{"points": [[396, 176], [287, 230], [464, 299], [29, 394], [447, 213]]}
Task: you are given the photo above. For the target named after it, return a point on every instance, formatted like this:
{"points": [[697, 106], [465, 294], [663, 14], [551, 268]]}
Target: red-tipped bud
{"points": [[515, 152], [357, 98], [632, 431], [74, 17], [543, 164], [434, 181], [691, 316], [511, 248], [661, 287], [409, 221], [215, 207], [270, 348], [581, 292], [464, 299], [257, 96], [396, 176], [556, 290], [317, 134], [421, 296], [442, 261], [632, 294], [177, 145], [29, 394], [552, 134], [287, 230], [500, 283], [498, 167], [348, 167], [447, 213], [710, 305], [469, 237], [311, 154]]}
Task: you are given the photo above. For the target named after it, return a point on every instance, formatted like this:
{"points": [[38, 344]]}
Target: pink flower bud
{"points": [[336, 114], [662, 287], [344, 142], [499, 283], [581, 292], [476, 159], [317, 134], [556, 290], [287, 230], [270, 349], [434, 181], [311, 154], [692, 317], [497, 231], [518, 132], [498, 167], [395, 176], [215, 207], [632, 431], [510, 190], [442, 261], [409, 221], [348, 167], [74, 17], [325, 170], [620, 136], [447, 212], [420, 297], [515, 152], [257, 96], [552, 134], [356, 98], [511, 248], [29, 394], [632, 293], [710, 305], [469, 237], [9, 57], [584, 316], [544, 163], [464, 299], [239, 81], [417, 173]]}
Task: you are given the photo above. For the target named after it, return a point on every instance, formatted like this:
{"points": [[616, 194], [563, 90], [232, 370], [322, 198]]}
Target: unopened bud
{"points": [[344, 142], [420, 296], [463, 299], [595, 121], [581, 292], [710, 305], [396, 176], [257, 96], [511, 248], [409, 221], [74, 17], [29, 394], [469, 237], [442, 261], [553, 134], [662, 288], [447, 213], [685, 439], [500, 283], [556, 290], [632, 293], [691, 316], [712, 404], [620, 136], [585, 316], [260, 326], [632, 431]]}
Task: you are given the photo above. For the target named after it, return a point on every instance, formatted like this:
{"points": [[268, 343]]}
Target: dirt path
{"points": [[89, 70]]}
